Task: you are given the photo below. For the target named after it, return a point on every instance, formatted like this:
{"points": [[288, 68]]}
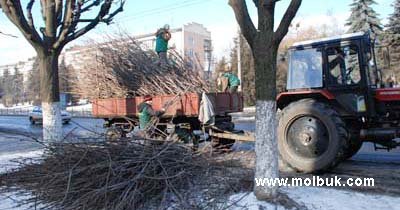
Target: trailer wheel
{"points": [[311, 136]]}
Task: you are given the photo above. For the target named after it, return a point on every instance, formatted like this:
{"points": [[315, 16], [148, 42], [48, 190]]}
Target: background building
{"points": [[24, 68]]}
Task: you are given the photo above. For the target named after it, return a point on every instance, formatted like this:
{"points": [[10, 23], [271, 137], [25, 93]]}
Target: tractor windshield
{"points": [[305, 69]]}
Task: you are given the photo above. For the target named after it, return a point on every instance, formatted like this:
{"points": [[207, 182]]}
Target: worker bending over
{"points": [[146, 112], [233, 81]]}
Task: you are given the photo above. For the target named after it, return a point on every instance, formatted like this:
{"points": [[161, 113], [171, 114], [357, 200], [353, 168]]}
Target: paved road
{"points": [[12, 126], [88, 127], [17, 134]]}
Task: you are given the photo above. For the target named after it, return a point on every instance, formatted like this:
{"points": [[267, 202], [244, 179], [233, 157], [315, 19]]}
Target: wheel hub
{"points": [[307, 137]]}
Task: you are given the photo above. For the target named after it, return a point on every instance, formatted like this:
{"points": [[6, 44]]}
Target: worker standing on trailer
{"points": [[233, 81], [163, 35], [146, 112]]}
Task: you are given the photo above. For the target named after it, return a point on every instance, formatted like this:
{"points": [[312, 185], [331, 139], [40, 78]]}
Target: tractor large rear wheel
{"points": [[311, 136], [355, 146]]}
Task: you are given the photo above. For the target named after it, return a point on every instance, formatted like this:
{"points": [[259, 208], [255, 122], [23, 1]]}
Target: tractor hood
{"points": [[387, 94]]}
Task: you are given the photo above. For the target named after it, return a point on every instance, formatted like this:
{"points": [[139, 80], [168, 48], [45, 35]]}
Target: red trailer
{"points": [[185, 105], [182, 112]]}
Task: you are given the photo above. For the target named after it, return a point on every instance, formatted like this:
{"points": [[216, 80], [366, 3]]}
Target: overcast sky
{"points": [[144, 16]]}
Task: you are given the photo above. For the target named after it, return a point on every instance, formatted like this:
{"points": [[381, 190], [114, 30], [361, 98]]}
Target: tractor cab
{"points": [[342, 68], [335, 101]]}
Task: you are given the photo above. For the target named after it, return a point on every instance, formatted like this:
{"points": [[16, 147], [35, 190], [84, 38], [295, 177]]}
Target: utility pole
{"points": [[239, 62], [208, 55]]}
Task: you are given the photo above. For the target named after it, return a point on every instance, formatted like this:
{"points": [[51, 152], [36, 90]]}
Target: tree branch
{"points": [[101, 17], [67, 22], [286, 20], [29, 13], [42, 7], [13, 10], [59, 10], [266, 15], [243, 18], [88, 7], [10, 35], [51, 21]]}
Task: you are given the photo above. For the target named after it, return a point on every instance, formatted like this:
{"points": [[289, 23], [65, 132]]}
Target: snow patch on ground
{"points": [[248, 201], [7, 201], [317, 198], [6, 159]]}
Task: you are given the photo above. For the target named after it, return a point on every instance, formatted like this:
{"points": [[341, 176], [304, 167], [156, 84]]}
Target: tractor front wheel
{"points": [[311, 136]]}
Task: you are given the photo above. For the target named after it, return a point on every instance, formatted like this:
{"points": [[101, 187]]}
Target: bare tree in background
{"points": [[63, 23], [264, 42]]}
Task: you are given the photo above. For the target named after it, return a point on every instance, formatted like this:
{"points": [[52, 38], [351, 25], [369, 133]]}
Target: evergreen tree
{"points": [[7, 98], [63, 72], [17, 86], [222, 63], [248, 72], [1, 87], [219, 68], [247, 68], [393, 27], [34, 84], [364, 18], [234, 55]]}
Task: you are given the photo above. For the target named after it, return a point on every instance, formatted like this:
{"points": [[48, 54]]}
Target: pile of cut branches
{"points": [[118, 176], [121, 68]]}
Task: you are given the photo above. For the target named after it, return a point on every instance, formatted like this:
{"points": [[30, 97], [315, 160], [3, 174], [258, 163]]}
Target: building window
{"points": [[207, 45], [191, 41], [190, 53]]}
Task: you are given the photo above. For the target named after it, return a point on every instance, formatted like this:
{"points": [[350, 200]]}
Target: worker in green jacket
{"points": [[163, 35], [233, 81], [146, 112]]}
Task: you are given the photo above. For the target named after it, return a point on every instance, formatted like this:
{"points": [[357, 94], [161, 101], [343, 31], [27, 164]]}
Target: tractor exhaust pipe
{"points": [[386, 134], [383, 136]]}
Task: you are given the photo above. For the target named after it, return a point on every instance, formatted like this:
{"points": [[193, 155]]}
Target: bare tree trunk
{"points": [[264, 42], [49, 90], [62, 23], [266, 137]]}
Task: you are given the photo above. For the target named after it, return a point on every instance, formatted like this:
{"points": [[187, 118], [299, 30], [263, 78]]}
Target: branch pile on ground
{"points": [[117, 176], [121, 68]]}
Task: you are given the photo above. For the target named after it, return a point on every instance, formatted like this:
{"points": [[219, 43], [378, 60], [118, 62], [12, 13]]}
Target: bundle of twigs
{"points": [[123, 69], [115, 176]]}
